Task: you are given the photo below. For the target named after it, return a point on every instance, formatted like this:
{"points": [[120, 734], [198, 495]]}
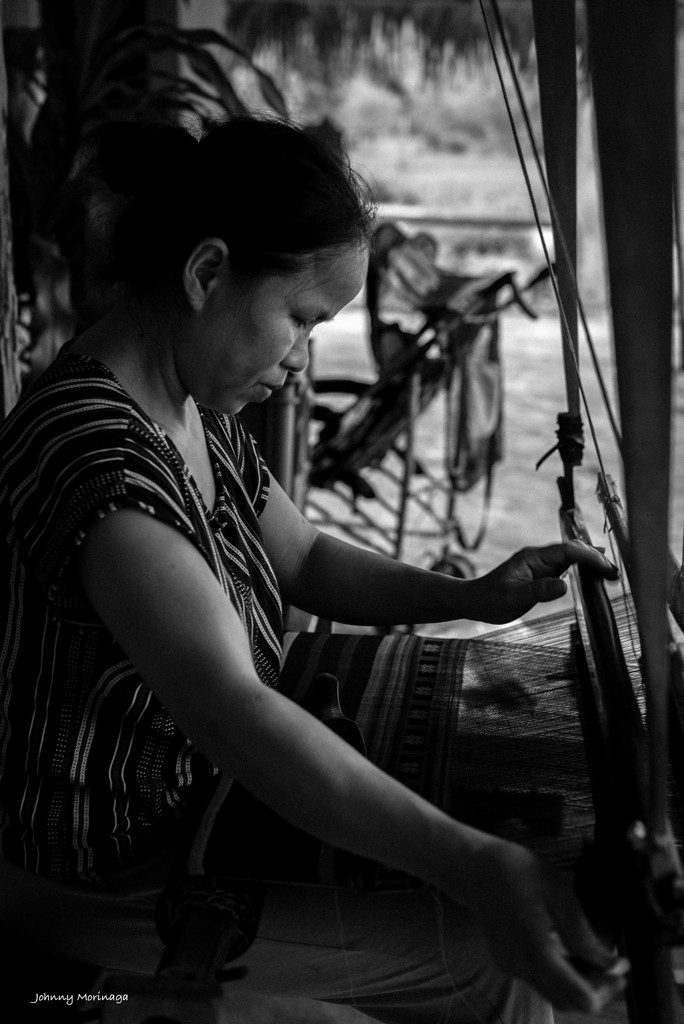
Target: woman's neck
{"points": [[140, 355], [142, 361]]}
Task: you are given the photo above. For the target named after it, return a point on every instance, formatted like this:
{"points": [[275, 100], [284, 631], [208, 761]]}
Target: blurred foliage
{"points": [[87, 63], [339, 37]]}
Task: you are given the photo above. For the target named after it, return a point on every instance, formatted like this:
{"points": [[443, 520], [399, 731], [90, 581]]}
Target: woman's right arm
{"points": [[158, 597]]}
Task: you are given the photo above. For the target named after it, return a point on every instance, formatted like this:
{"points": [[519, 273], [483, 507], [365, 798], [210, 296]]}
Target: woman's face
{"points": [[245, 341]]}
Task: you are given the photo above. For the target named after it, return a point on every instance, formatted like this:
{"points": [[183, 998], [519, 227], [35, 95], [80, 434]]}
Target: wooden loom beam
{"points": [[555, 39], [631, 47]]}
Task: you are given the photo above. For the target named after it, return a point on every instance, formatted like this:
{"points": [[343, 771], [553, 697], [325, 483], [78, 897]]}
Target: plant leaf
{"points": [[94, 22], [209, 37]]}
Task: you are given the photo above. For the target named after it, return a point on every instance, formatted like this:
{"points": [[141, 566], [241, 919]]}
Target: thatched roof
{"points": [[339, 35]]}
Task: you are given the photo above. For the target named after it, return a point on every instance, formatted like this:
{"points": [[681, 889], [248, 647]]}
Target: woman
{"points": [[147, 553]]}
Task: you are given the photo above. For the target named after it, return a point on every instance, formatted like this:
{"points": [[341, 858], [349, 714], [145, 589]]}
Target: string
{"points": [[456, 994], [195, 861], [439, 911], [630, 615], [535, 210], [343, 943]]}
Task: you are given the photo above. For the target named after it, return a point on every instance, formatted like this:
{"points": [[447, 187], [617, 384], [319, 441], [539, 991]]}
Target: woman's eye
{"points": [[301, 322]]}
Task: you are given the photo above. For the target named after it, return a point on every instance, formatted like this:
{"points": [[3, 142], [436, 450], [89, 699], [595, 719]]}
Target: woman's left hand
{"points": [[530, 576]]}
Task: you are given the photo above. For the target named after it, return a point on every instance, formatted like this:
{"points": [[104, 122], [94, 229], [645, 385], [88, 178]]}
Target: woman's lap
{"points": [[400, 958]]}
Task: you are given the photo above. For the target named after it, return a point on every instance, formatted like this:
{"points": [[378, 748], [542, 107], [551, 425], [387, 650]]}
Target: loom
{"points": [[632, 72]]}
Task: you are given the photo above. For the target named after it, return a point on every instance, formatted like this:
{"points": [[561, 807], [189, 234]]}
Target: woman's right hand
{"points": [[537, 931]]}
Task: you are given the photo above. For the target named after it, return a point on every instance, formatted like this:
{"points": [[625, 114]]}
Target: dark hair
{"points": [[277, 194]]}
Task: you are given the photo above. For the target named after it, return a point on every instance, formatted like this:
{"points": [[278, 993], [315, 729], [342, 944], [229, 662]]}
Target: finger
{"points": [[555, 559], [540, 956], [538, 591], [601, 967], [581, 941], [568, 988], [591, 557], [606, 984], [549, 589]]}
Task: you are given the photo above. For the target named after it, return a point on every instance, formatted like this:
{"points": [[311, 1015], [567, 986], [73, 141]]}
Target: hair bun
{"points": [[279, 199], [144, 159]]}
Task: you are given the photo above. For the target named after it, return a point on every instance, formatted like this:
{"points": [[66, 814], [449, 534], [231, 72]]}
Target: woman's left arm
{"points": [[345, 583]]}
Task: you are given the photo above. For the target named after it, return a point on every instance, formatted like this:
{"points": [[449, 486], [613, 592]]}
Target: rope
{"points": [[570, 441]]}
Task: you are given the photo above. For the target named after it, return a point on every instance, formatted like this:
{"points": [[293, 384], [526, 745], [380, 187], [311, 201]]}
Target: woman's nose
{"points": [[297, 359]]}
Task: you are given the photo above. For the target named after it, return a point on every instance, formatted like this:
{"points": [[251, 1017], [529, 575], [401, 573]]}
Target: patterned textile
{"points": [[488, 729], [94, 773]]}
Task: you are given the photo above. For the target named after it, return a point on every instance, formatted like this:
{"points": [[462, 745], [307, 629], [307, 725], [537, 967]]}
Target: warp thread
{"points": [[343, 942], [456, 994]]}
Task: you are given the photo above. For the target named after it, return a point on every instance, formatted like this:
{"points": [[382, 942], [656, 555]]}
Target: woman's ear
{"points": [[203, 269]]}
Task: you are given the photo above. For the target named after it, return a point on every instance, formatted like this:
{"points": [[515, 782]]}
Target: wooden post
{"points": [[9, 363]]}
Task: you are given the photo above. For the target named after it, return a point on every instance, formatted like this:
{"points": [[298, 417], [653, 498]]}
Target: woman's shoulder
{"points": [[74, 418], [72, 369], [75, 392]]}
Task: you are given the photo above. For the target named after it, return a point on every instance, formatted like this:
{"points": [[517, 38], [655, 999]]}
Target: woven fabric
{"points": [[487, 729]]}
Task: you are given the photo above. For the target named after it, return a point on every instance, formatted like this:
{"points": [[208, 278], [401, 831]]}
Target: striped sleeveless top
{"points": [[94, 774]]}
